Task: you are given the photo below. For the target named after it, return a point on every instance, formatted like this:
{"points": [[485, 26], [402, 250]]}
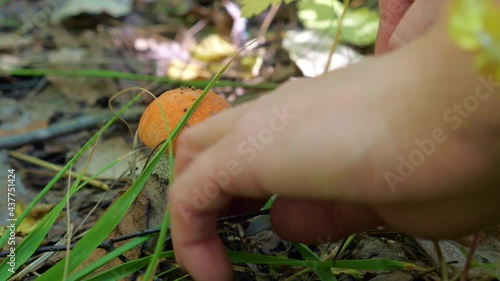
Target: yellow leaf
{"points": [[33, 218], [184, 71], [250, 8], [213, 48], [475, 26]]}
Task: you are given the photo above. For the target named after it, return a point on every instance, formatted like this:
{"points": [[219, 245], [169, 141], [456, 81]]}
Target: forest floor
{"points": [[61, 65]]}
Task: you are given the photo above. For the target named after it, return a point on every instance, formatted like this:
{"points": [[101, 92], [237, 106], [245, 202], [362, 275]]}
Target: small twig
{"points": [[131, 76], [442, 263], [36, 264], [268, 19], [331, 256], [343, 245], [108, 245], [337, 36], [57, 168], [69, 225], [241, 217], [61, 128], [470, 256]]}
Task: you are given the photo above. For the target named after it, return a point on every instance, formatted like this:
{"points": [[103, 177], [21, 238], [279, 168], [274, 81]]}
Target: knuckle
{"points": [[186, 141]]}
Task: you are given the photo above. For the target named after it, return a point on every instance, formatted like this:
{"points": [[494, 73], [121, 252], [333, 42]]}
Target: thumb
{"points": [[401, 21], [420, 16], [391, 13]]}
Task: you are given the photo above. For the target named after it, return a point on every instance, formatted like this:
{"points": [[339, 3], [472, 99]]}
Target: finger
{"points": [[417, 20], [197, 138], [197, 197], [318, 222], [196, 244], [391, 13], [210, 130]]}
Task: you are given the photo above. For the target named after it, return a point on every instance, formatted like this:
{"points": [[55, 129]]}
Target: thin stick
{"points": [[107, 244], [268, 19], [61, 128], [69, 226], [337, 36], [470, 256], [131, 76], [442, 263], [56, 168]]}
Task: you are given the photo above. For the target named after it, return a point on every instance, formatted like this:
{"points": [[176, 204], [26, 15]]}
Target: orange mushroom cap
{"points": [[175, 103]]}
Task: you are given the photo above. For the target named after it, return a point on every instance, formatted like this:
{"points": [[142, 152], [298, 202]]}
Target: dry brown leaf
{"points": [[84, 89], [66, 56], [146, 212], [12, 41], [8, 62], [33, 218], [104, 153], [17, 120]]}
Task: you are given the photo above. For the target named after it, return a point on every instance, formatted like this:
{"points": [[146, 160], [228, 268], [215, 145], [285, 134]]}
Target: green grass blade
{"points": [[239, 257], [33, 240], [325, 274], [492, 269], [269, 203], [129, 76], [170, 270], [100, 231], [155, 257], [128, 268], [180, 125], [109, 257], [182, 277], [371, 264]]}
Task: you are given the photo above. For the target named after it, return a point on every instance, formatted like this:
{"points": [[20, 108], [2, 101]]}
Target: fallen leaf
{"points": [[186, 71], [84, 89], [17, 120], [250, 8], [359, 27], [8, 62], [33, 218], [114, 8], [104, 153], [310, 50], [213, 48], [455, 254], [66, 56], [146, 212], [12, 41]]}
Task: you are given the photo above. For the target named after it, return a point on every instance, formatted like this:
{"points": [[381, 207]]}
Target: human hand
{"points": [[401, 21], [326, 146]]}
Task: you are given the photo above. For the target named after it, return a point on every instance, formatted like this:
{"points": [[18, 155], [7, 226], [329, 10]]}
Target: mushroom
{"points": [[175, 103]]}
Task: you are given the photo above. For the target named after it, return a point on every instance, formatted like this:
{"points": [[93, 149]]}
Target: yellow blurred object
{"points": [[475, 26], [33, 218], [213, 48], [185, 71]]}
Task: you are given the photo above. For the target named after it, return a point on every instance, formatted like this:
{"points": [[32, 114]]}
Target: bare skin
{"points": [[327, 145]]}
